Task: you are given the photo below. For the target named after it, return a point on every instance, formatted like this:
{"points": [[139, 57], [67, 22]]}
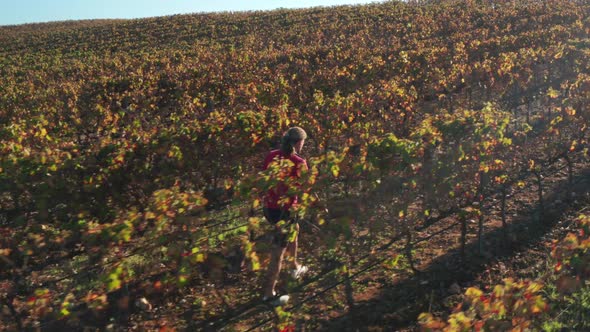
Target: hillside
{"points": [[446, 138]]}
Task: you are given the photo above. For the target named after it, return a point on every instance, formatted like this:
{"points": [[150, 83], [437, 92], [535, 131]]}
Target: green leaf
{"points": [[64, 312], [114, 281], [114, 284], [255, 265], [182, 280]]}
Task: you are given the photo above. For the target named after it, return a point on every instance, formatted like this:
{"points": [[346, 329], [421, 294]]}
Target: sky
{"points": [[33, 11]]}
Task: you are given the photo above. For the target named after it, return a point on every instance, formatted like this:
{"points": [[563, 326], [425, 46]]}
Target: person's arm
{"points": [[303, 168]]}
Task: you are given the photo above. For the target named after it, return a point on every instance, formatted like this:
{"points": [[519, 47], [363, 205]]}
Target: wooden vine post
{"points": [[348, 287], [480, 219], [463, 216], [502, 181], [570, 176], [537, 172]]}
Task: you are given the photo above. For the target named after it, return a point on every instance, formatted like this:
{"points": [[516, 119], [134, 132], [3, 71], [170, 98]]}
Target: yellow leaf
{"points": [[305, 197], [335, 170], [473, 292], [200, 258], [552, 93], [227, 185], [570, 111], [558, 55]]}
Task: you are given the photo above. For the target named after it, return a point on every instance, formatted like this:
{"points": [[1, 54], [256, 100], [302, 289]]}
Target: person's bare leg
{"points": [[274, 269]]}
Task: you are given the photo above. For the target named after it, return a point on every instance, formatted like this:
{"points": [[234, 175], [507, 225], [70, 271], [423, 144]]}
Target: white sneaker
{"points": [[300, 271], [281, 301], [276, 301]]}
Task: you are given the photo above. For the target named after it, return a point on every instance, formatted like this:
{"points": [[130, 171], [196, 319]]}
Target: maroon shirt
{"points": [[276, 195]]}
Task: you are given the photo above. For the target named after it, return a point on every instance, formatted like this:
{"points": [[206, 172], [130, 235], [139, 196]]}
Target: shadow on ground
{"points": [[399, 304]]}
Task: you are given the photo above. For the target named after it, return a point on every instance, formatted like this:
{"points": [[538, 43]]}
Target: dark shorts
{"points": [[274, 216]]}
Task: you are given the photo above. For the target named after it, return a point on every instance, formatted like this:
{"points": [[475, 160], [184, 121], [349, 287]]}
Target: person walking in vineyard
{"points": [[286, 166]]}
